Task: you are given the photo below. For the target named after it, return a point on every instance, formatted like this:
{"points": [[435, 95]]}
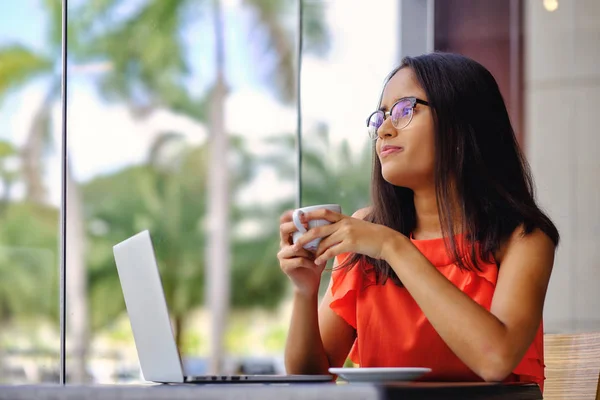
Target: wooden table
{"points": [[244, 391]]}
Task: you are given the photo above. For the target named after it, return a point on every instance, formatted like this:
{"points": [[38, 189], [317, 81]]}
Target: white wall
{"points": [[562, 110]]}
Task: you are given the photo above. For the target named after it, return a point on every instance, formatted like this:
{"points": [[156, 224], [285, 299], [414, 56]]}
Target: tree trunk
{"points": [[32, 153], [76, 286], [38, 140], [217, 251]]}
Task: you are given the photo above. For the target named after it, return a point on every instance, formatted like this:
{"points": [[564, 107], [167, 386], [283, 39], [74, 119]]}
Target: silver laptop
{"points": [[145, 301]]}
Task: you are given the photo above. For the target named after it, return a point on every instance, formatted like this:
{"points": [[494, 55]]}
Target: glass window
{"points": [[29, 191], [181, 121]]}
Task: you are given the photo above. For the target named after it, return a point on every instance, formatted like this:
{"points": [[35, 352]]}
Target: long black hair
{"points": [[476, 156]]}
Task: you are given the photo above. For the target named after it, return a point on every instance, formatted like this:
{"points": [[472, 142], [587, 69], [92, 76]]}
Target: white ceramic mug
{"points": [[313, 244]]}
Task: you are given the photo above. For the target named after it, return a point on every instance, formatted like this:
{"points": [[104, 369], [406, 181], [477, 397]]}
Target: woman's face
{"points": [[407, 155]]}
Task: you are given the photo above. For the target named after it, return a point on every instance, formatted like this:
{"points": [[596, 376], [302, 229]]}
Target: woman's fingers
{"points": [[286, 216], [288, 252], [287, 228], [325, 214], [290, 259], [285, 232], [331, 252], [290, 264], [328, 242], [316, 233]]}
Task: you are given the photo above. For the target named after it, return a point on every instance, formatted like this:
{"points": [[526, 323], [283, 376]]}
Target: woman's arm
{"points": [[490, 343], [317, 340]]}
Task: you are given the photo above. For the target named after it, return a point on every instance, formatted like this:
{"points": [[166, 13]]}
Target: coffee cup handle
{"points": [[296, 217]]}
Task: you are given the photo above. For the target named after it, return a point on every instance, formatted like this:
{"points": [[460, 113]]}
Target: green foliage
{"points": [[135, 199], [193, 343], [19, 65], [54, 35], [276, 337], [256, 278], [28, 252], [145, 50], [330, 173], [276, 21], [171, 203], [148, 68], [28, 262], [6, 150]]}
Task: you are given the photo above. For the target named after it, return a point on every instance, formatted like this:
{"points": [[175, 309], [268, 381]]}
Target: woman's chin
{"points": [[396, 179], [406, 180]]}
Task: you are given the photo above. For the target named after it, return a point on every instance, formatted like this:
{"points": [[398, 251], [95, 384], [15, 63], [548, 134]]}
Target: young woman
{"points": [[449, 266]]}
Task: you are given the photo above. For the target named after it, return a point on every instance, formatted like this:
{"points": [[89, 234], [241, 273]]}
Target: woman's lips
{"points": [[387, 150]]}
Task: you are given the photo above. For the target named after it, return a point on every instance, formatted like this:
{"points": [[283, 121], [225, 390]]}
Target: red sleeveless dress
{"points": [[392, 331]]}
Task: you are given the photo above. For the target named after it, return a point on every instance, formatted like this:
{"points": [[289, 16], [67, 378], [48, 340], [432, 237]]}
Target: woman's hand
{"points": [[348, 235], [297, 263]]}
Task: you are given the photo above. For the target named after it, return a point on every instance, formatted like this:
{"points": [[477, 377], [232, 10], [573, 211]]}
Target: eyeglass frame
{"points": [[386, 114]]}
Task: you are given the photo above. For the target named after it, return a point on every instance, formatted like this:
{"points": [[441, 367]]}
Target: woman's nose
{"points": [[387, 130]]}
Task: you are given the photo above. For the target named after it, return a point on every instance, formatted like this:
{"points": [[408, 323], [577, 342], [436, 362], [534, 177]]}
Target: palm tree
{"points": [[270, 15], [146, 52], [165, 195], [19, 66], [218, 246]]}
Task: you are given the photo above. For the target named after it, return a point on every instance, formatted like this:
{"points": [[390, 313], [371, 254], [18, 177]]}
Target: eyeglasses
{"points": [[401, 113]]}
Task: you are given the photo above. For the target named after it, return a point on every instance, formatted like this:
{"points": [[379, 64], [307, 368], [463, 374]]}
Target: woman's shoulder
{"points": [[520, 240]]}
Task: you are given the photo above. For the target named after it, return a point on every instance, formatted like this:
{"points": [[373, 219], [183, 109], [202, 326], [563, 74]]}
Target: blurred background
{"points": [[182, 119]]}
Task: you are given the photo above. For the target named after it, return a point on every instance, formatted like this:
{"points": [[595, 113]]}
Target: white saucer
{"points": [[379, 374]]}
